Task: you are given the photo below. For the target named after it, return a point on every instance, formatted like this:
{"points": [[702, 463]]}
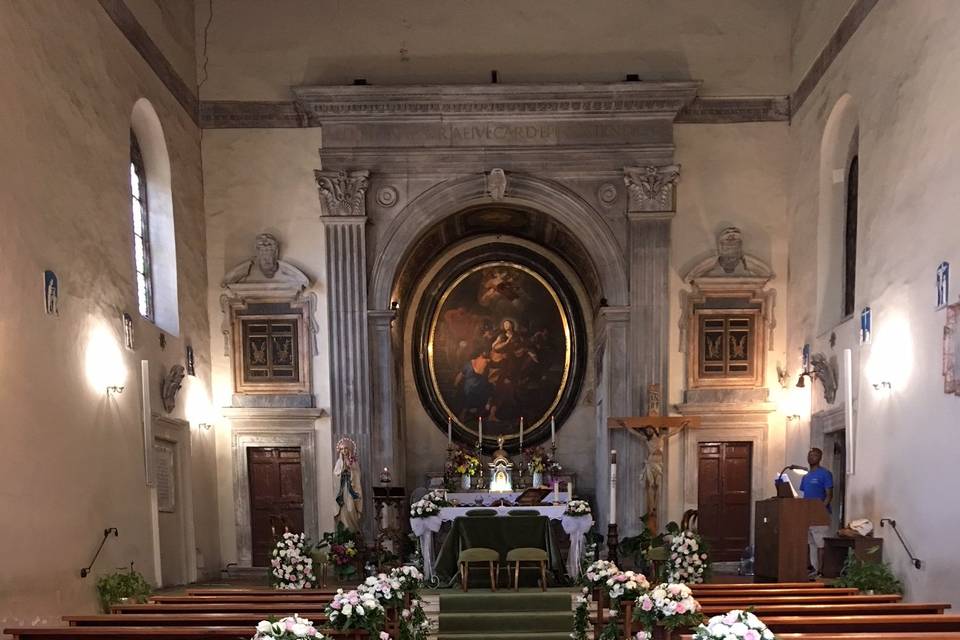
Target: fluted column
{"points": [[343, 206], [613, 399], [651, 208], [387, 450]]}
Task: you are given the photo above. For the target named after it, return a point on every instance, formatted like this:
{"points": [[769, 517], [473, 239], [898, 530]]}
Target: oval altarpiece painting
{"points": [[500, 338]]}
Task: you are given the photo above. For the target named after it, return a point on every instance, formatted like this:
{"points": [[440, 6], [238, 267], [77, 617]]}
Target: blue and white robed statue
{"points": [[866, 325], [943, 285]]}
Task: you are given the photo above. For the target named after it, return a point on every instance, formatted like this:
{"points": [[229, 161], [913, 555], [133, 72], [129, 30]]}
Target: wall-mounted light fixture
{"points": [[883, 385], [206, 426], [105, 367], [115, 389]]}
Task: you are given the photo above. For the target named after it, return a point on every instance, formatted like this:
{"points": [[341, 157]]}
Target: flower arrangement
{"points": [[671, 606], [462, 463], [291, 566], [577, 508], [437, 497], [290, 628], [423, 509], [355, 610], [687, 560], [733, 625], [539, 461], [122, 586], [414, 624], [384, 588], [597, 574], [410, 579], [626, 585], [581, 615], [345, 547]]}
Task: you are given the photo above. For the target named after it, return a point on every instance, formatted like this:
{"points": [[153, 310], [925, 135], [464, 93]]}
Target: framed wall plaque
{"points": [[270, 354]]}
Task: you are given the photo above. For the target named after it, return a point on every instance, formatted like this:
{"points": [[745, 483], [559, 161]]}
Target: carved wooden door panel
{"points": [[724, 497], [276, 497]]}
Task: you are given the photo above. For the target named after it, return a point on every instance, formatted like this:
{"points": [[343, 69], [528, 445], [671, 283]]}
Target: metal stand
{"points": [[613, 541]]}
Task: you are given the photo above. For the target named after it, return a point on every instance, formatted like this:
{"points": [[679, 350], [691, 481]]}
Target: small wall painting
{"points": [[51, 293], [805, 358], [191, 369], [866, 325], [943, 285], [951, 351]]}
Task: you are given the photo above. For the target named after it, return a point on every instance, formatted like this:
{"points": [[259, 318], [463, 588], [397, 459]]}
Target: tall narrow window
{"points": [[141, 229], [850, 238]]}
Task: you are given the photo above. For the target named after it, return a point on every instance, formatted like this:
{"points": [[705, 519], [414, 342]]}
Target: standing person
{"points": [[817, 485]]}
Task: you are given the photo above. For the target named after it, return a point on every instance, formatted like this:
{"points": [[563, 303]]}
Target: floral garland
{"points": [[734, 625], [386, 589], [687, 561], [414, 624], [291, 564], [356, 610], [581, 615], [577, 509], [596, 574], [423, 509], [671, 606], [291, 628], [410, 579], [627, 585]]}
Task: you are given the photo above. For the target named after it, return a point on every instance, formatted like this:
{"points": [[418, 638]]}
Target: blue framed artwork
{"points": [[805, 361], [51, 293], [866, 325], [943, 285]]}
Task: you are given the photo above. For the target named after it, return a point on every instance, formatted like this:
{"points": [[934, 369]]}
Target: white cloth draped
{"points": [[576, 527], [424, 528]]}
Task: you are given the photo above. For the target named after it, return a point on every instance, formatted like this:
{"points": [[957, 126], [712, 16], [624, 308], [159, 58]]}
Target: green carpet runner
{"points": [[506, 615]]}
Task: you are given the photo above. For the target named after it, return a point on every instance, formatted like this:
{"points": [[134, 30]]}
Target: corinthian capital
{"points": [[652, 189], [343, 193]]}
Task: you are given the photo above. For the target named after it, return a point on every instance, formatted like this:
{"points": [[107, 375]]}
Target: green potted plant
{"points": [[126, 585], [868, 576]]}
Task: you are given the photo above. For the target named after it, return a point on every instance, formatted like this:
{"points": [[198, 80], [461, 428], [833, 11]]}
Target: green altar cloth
{"points": [[501, 534]]}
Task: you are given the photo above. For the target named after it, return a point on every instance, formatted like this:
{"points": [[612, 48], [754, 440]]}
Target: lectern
{"points": [[781, 552]]}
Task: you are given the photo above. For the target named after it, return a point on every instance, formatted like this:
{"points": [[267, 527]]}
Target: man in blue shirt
{"points": [[817, 485]]}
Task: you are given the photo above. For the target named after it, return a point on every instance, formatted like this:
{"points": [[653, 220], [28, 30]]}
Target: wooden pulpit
{"points": [[781, 553]]}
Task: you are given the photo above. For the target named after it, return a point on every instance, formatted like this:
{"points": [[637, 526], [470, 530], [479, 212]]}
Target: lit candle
{"points": [[613, 486], [449, 430], [553, 430], [521, 432]]}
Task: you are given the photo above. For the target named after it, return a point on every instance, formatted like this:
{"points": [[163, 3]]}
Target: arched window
{"points": [[850, 237], [140, 209], [154, 237]]}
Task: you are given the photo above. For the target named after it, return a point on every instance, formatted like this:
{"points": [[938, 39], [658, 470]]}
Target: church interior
{"points": [[604, 301]]}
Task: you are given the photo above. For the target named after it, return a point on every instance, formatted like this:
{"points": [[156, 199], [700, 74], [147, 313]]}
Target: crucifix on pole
{"points": [[655, 429]]}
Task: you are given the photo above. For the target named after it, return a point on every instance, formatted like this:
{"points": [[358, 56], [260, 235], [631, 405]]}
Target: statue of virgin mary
{"points": [[350, 493]]}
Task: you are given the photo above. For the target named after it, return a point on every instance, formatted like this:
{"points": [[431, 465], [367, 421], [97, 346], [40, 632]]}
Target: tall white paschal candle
{"points": [[613, 486]]}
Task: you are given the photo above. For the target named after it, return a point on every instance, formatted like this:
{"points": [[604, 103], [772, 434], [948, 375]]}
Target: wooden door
{"points": [[276, 497], [724, 498]]}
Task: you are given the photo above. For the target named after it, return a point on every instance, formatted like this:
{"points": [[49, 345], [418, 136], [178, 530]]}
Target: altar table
{"points": [[500, 534]]}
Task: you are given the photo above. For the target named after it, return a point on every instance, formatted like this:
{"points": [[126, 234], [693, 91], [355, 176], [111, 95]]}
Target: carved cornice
{"points": [[343, 193], [651, 188], [325, 104]]}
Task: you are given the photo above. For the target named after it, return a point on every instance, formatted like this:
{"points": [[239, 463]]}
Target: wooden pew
{"points": [[154, 633], [240, 599], [837, 609], [878, 623], [262, 591], [180, 620], [265, 609], [742, 602], [722, 586], [931, 635], [816, 591]]}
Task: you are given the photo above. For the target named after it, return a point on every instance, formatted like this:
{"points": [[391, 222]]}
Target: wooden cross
{"points": [[655, 429]]}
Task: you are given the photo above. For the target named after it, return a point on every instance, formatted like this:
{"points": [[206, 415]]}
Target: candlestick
{"points": [[521, 433], [556, 491], [449, 430], [613, 486]]}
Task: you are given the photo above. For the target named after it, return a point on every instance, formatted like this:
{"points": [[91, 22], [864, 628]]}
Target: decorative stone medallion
{"points": [[607, 194], [387, 196]]}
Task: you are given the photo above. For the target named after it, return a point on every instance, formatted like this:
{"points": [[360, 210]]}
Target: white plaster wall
{"points": [[170, 25], [71, 459], [900, 69], [259, 181], [258, 50]]}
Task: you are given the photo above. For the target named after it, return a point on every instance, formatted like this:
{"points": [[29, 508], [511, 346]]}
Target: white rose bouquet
{"points": [[597, 573], [292, 628], [687, 560], [627, 585], [423, 509], [356, 610], [291, 566], [733, 625], [386, 589], [671, 606], [577, 508], [410, 579], [437, 497]]}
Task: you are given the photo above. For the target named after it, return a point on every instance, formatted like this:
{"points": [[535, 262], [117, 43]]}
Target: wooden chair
{"points": [[528, 554], [478, 554]]}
